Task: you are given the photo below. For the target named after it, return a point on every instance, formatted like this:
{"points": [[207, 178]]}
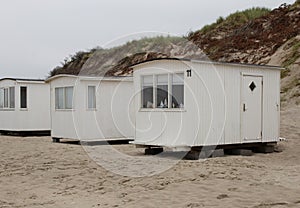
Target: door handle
{"points": [[244, 107], [277, 106]]}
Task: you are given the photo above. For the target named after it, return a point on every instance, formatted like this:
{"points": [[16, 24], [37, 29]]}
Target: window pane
{"points": [[147, 91], [69, 98], [162, 91], [23, 97], [91, 97], [178, 91], [11, 97], [1, 98], [147, 80], [6, 98], [59, 98]]}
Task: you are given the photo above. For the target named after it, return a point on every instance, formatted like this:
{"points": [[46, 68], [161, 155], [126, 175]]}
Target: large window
{"points": [[64, 98], [147, 91], [7, 98], [168, 90], [23, 97], [91, 97]]}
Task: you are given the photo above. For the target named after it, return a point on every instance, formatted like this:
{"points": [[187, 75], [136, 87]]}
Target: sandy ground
{"points": [[34, 172]]}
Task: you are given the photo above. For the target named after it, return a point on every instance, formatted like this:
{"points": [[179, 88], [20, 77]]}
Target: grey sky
{"points": [[36, 35]]}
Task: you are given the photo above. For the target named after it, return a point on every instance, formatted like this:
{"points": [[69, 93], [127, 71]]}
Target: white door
{"points": [[252, 108]]}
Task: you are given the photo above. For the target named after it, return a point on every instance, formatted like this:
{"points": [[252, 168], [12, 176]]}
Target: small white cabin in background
{"points": [[91, 108], [183, 104], [24, 106]]}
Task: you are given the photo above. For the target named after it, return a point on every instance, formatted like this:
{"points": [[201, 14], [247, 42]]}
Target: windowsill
{"points": [[7, 109], [91, 109], [162, 110], [64, 110], [23, 109]]}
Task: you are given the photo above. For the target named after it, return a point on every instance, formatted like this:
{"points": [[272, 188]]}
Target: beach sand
{"points": [[34, 172]]}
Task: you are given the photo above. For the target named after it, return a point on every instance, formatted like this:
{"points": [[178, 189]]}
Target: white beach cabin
{"points": [[187, 104], [91, 108], [24, 107]]}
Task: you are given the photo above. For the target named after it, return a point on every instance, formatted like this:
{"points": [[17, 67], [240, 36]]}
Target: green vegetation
{"points": [[295, 5], [284, 73], [295, 82], [150, 41], [293, 56], [236, 19], [73, 63]]}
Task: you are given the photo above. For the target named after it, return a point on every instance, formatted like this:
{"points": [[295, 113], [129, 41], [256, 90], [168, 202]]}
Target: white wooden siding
{"points": [[112, 119], [37, 115], [212, 113]]}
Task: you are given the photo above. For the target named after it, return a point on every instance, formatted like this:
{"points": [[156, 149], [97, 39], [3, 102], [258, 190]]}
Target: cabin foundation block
{"points": [[242, 152], [195, 155], [217, 153], [153, 151], [204, 154], [55, 140], [268, 148]]}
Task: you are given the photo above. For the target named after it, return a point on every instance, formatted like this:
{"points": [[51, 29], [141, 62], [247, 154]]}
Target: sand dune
{"points": [[34, 172]]}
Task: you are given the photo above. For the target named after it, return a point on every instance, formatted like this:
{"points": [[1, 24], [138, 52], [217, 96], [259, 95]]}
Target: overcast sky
{"points": [[36, 35]]}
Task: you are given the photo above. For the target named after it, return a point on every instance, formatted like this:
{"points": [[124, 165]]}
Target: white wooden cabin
{"points": [[24, 106], [91, 108], [182, 104]]}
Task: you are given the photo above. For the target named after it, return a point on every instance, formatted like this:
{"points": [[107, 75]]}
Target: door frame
{"points": [[243, 74]]}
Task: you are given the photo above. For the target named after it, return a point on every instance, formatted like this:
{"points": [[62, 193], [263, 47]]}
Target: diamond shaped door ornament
{"points": [[252, 86]]}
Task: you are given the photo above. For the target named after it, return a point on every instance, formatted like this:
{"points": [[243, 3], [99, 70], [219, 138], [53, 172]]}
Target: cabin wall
{"points": [[270, 101], [207, 102], [112, 118], [233, 102], [62, 120], [201, 122], [37, 115], [213, 105]]}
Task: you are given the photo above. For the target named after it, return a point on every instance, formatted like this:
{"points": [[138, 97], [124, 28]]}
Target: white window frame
{"points": [[95, 98], [8, 98], [170, 84], [64, 99], [171, 90], [153, 91]]}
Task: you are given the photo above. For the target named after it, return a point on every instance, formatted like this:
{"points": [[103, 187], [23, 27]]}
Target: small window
{"points": [[23, 97], [162, 99], [178, 91], [252, 86], [91, 97], [64, 98], [7, 98], [147, 91]]}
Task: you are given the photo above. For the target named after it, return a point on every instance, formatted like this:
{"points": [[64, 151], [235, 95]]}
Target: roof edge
{"points": [[87, 78], [210, 62], [22, 79]]}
